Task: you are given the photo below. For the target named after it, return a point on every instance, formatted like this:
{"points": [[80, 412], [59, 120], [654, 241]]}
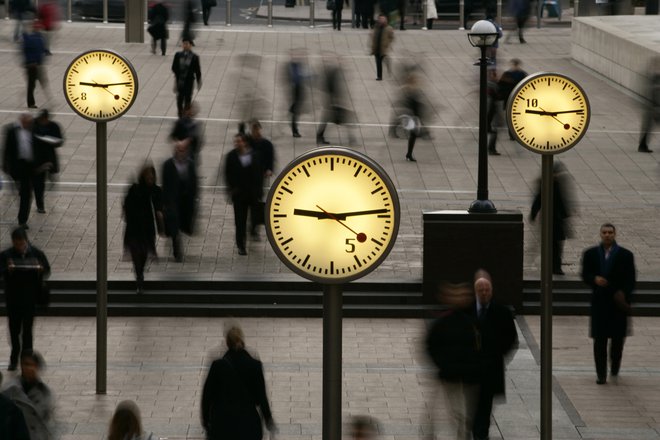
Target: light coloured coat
{"points": [[37, 407]]}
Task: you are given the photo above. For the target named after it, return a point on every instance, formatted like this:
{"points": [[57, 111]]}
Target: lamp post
{"points": [[482, 35]]}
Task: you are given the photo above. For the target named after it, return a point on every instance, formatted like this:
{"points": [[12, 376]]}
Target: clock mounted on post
{"points": [[100, 85], [548, 113], [332, 215]]}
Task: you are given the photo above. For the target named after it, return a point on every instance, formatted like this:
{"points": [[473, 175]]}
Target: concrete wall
{"points": [[618, 47]]}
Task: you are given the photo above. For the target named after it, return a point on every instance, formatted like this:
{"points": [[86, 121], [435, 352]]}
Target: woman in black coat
{"points": [[143, 209], [159, 15], [233, 391]]}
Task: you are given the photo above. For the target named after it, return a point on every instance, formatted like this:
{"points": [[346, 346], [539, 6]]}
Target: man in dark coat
{"points": [[47, 136], [234, 389], [188, 129], [18, 162], [609, 270], [498, 338], [296, 73], [244, 179], [206, 10], [23, 268], [158, 18], [186, 69], [179, 196]]}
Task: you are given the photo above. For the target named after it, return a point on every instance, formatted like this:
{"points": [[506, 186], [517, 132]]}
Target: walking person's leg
{"points": [[25, 199], [39, 185], [616, 354], [600, 358], [15, 322]]}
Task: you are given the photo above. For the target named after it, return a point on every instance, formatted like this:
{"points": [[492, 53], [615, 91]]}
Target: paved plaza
{"points": [[161, 362]]}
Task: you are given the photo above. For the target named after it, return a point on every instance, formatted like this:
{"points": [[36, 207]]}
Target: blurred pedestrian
{"points": [[188, 33], [364, 428], [297, 73], [410, 111], [49, 15], [20, 9], [34, 50], [609, 269], [498, 339], [561, 212], [244, 179], [381, 39], [186, 70], [520, 10], [143, 213], [46, 138], [12, 421], [491, 51], [501, 92], [206, 10], [159, 15], [188, 129], [401, 6], [336, 105], [336, 13], [18, 162], [234, 400], [453, 344], [33, 397], [24, 269], [180, 192], [263, 147], [126, 423], [364, 14], [431, 13], [651, 104]]}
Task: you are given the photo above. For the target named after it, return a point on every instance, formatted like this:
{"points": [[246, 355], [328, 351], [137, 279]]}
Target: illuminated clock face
{"points": [[100, 85], [332, 215], [548, 113]]}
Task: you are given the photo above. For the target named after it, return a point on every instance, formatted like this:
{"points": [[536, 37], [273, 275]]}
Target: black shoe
{"points": [[322, 141], [644, 149], [242, 251], [601, 381], [557, 272], [12, 366], [522, 40], [178, 258], [24, 226], [379, 79], [296, 134], [410, 158], [32, 106], [41, 210], [493, 152]]}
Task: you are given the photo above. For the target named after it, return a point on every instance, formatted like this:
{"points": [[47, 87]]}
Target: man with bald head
{"points": [[498, 338]]}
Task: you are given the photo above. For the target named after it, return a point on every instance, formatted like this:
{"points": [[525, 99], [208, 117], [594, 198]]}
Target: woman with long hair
{"points": [[126, 424]]}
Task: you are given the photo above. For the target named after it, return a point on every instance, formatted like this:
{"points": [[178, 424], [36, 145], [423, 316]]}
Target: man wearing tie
{"points": [[186, 69]]}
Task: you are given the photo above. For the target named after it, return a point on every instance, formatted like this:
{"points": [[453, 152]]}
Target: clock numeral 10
{"points": [[532, 102]]}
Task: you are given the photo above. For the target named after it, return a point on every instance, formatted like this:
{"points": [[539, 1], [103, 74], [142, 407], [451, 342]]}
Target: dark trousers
{"points": [[39, 185], [25, 196], [600, 355], [20, 324], [295, 107], [32, 71], [412, 137], [364, 20], [163, 45], [481, 421], [379, 65], [557, 249], [336, 19], [183, 99], [139, 257], [206, 13], [241, 207]]}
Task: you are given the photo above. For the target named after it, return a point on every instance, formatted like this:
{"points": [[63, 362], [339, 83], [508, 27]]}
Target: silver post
{"points": [[332, 338], [499, 12], [69, 12], [6, 9], [105, 11], [270, 13], [228, 13], [101, 257], [576, 8], [546, 297], [539, 13], [311, 14], [461, 13], [425, 11]]}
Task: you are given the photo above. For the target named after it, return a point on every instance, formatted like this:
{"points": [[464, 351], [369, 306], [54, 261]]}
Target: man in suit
{"points": [[498, 336], [18, 162], [244, 178], [609, 270], [186, 70], [23, 268], [179, 196]]}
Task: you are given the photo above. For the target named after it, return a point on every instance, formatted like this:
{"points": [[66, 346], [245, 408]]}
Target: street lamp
{"points": [[482, 35]]}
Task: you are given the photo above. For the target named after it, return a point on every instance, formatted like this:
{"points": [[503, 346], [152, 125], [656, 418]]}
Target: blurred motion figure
{"points": [[652, 105]]}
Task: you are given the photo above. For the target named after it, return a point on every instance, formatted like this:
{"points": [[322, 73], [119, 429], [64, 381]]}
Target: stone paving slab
{"points": [[612, 182]]}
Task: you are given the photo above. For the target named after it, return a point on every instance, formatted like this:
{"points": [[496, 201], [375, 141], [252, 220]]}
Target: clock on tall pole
{"points": [[100, 85], [332, 216]]}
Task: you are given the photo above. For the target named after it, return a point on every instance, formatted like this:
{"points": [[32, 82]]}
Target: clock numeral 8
{"points": [[351, 245], [83, 96], [532, 102]]}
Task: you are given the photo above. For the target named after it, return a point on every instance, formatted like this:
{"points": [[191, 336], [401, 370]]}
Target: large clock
{"points": [[548, 113], [332, 215], [100, 85]]}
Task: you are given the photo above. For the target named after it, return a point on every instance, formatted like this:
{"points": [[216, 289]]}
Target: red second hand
{"points": [[361, 236]]}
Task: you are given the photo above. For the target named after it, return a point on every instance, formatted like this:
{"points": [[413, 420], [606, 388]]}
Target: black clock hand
{"points": [[340, 216], [361, 236], [343, 215], [118, 84], [554, 116], [569, 111], [94, 84], [318, 214], [538, 112]]}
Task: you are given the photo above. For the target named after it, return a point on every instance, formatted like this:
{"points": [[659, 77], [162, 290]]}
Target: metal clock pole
{"points": [[332, 349], [101, 257], [546, 296]]}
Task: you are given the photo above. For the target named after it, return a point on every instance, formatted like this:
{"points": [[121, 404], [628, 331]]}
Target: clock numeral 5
{"points": [[351, 245]]}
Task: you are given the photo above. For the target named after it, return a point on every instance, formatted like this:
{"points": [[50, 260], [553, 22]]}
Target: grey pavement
{"points": [[612, 181], [161, 362]]}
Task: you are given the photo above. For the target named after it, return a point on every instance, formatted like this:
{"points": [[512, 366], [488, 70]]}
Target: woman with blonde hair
{"points": [[125, 423]]}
